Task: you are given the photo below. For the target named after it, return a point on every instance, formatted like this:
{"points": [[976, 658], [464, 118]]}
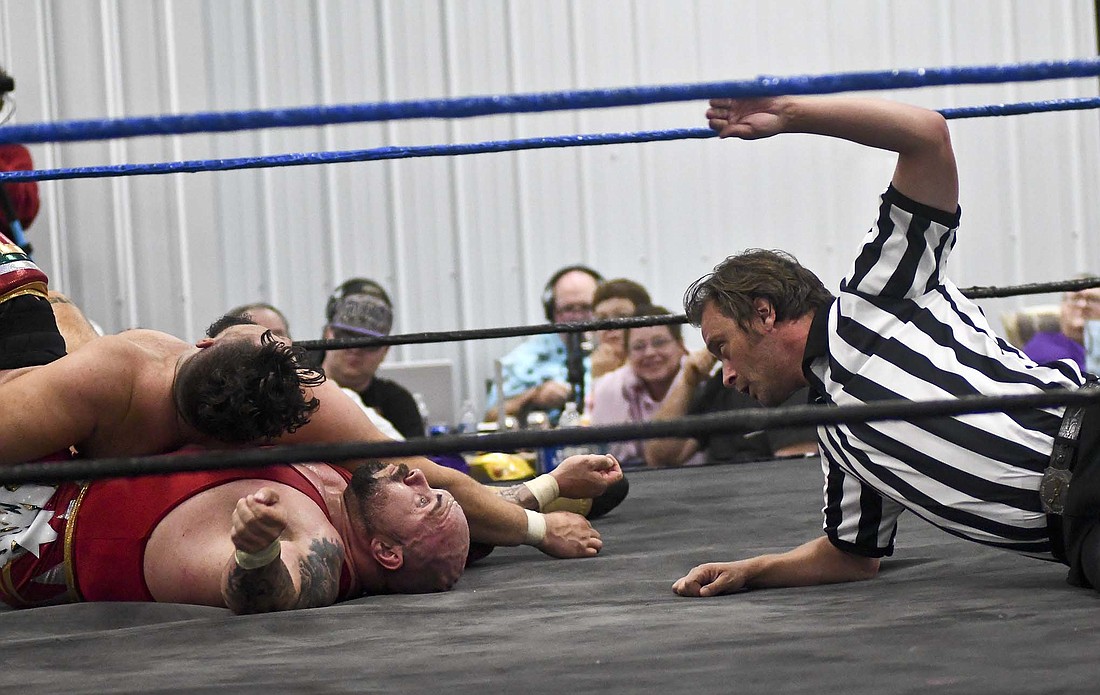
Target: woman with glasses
{"points": [[634, 391]]}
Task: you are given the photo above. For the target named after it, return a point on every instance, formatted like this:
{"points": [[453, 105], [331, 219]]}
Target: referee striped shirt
{"points": [[899, 329]]}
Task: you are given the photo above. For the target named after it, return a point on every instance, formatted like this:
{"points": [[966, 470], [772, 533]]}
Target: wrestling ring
{"points": [[944, 615]]}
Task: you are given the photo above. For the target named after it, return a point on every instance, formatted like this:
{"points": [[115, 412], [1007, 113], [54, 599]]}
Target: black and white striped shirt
{"points": [[901, 330]]}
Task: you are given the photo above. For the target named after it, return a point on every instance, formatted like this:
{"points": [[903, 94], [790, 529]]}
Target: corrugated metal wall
{"points": [[467, 242]]}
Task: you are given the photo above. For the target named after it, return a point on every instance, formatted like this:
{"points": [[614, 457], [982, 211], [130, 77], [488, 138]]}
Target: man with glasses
{"points": [[536, 372], [1078, 308]]}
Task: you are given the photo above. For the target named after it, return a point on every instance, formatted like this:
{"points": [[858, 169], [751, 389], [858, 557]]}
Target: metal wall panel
{"points": [[467, 242]]}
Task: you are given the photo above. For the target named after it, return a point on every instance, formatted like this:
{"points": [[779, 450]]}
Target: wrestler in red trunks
{"points": [[99, 553], [331, 536]]}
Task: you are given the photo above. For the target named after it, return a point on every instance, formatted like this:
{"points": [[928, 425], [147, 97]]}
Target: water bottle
{"points": [[570, 418], [467, 423]]}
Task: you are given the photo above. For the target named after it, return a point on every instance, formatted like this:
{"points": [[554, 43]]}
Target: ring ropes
{"points": [[983, 292], [493, 146], [736, 421], [463, 107], [746, 420]]}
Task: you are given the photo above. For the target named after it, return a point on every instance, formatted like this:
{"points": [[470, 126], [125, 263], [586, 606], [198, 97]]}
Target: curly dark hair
{"points": [[738, 281], [239, 392]]}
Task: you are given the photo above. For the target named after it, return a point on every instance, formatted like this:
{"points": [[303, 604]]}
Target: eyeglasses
{"points": [[639, 346], [1087, 300], [602, 315]]}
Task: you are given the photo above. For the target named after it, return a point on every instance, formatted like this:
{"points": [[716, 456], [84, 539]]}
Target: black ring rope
{"points": [[483, 333], [993, 292], [729, 422], [985, 292]]}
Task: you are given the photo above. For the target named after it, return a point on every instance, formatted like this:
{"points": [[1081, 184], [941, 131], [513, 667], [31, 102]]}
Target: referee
{"points": [[899, 330]]}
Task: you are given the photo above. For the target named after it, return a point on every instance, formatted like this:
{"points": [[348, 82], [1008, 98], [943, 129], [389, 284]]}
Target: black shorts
{"points": [[1082, 511], [28, 333]]}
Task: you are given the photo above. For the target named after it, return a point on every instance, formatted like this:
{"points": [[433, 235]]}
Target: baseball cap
{"points": [[364, 314]]}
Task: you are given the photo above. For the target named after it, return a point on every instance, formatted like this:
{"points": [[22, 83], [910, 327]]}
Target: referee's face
{"points": [[755, 361]]}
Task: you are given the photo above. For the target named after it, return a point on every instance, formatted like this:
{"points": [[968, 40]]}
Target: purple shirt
{"points": [[1047, 346]]}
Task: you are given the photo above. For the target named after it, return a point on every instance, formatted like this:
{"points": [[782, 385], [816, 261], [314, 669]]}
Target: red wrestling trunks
{"points": [[101, 543]]}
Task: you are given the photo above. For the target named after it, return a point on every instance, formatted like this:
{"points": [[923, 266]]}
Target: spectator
{"points": [[265, 315], [634, 391], [614, 299], [357, 308], [698, 391], [536, 372], [1069, 343]]}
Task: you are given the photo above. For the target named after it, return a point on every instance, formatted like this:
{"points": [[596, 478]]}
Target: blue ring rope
{"points": [[408, 152], [466, 107]]}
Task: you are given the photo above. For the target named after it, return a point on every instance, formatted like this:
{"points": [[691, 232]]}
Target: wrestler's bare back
{"points": [[187, 554], [111, 397]]}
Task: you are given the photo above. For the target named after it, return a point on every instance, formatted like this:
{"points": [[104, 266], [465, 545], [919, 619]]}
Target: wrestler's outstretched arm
{"points": [[578, 477], [492, 520], [274, 569]]}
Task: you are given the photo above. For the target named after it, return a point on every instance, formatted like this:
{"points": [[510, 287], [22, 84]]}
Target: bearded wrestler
{"points": [[256, 540]]}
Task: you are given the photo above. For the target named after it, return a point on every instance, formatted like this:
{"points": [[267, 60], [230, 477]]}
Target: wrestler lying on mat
{"points": [[145, 392], [285, 537], [899, 330]]}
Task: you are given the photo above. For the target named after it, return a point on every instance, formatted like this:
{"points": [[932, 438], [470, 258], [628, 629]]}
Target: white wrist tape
{"points": [[251, 561], [544, 488], [536, 528]]}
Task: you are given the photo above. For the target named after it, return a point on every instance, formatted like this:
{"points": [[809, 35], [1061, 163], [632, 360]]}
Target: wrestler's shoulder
{"points": [[111, 356], [140, 341]]}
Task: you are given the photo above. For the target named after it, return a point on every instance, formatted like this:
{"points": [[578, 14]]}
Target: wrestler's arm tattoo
{"points": [[320, 573], [270, 588], [521, 495], [59, 299]]}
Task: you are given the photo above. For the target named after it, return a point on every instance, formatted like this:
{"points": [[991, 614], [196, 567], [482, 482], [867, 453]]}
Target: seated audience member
{"points": [[536, 372], [252, 540], [357, 308], [695, 392], [263, 314], [634, 392], [614, 299], [1077, 308]]}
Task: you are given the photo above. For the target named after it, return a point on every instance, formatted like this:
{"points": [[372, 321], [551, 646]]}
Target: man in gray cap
{"points": [[358, 308]]}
